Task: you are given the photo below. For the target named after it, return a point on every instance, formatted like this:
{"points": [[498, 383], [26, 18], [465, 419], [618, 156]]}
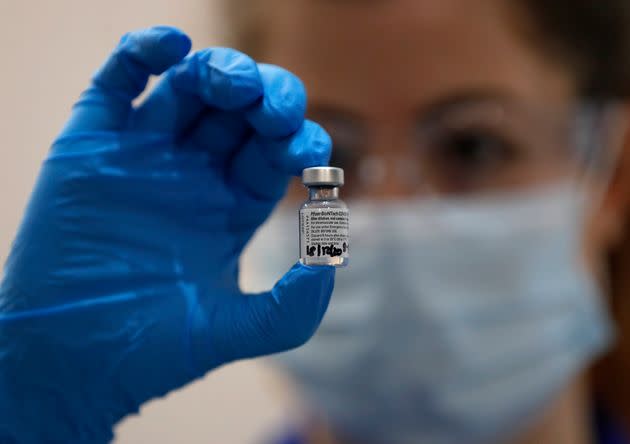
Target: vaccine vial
{"points": [[324, 224]]}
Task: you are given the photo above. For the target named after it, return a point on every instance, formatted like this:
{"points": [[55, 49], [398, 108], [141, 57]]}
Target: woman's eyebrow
{"points": [[457, 100]]}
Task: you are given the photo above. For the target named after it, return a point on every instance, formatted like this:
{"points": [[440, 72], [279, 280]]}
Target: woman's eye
{"points": [[473, 150], [463, 161]]}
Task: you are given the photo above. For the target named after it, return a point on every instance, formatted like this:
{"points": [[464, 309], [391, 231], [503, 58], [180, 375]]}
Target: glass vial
{"points": [[324, 224]]}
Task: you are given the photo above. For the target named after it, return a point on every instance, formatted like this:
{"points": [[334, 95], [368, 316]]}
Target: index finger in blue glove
{"points": [[220, 79], [278, 114], [262, 169], [281, 111], [106, 104]]}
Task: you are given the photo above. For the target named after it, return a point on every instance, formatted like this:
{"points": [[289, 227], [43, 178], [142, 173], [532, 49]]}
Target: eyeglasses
{"points": [[481, 146]]}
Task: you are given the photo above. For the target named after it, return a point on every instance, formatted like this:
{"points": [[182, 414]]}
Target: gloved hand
{"points": [[122, 282]]}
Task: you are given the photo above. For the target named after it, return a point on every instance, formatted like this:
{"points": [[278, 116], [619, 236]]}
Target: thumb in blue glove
{"points": [[122, 282]]}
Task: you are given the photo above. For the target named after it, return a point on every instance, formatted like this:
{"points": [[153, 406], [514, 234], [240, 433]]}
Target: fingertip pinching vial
{"points": [[324, 223]]}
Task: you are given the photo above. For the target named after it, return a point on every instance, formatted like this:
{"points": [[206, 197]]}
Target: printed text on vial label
{"points": [[324, 232]]}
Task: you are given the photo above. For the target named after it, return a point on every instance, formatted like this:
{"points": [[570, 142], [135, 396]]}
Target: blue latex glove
{"points": [[122, 283]]}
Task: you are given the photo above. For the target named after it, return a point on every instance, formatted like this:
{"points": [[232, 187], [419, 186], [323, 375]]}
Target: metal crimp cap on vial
{"points": [[323, 176]]}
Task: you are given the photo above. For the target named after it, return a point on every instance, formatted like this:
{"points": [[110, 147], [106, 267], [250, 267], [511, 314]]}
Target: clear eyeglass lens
{"points": [[479, 148]]}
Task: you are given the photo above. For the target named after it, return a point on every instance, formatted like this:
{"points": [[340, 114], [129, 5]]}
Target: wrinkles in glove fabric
{"points": [[122, 282]]}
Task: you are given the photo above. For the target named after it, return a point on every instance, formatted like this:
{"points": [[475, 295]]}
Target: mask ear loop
{"points": [[600, 134], [601, 130]]}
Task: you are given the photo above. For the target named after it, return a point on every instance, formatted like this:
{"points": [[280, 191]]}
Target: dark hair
{"points": [[591, 35]]}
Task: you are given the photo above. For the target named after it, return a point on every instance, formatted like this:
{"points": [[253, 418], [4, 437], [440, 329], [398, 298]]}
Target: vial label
{"points": [[324, 233]]}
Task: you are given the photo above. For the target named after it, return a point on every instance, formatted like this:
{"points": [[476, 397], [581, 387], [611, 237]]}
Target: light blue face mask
{"points": [[455, 322]]}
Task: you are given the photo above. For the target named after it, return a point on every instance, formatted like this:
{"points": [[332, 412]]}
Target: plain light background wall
{"points": [[49, 50]]}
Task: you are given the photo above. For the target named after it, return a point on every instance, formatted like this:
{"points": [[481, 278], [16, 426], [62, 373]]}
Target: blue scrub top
{"points": [[607, 429]]}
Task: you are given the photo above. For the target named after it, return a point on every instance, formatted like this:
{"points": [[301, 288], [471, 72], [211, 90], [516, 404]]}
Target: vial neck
{"points": [[323, 193]]}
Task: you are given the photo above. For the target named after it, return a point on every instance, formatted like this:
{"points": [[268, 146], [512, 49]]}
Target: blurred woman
{"points": [[487, 167]]}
